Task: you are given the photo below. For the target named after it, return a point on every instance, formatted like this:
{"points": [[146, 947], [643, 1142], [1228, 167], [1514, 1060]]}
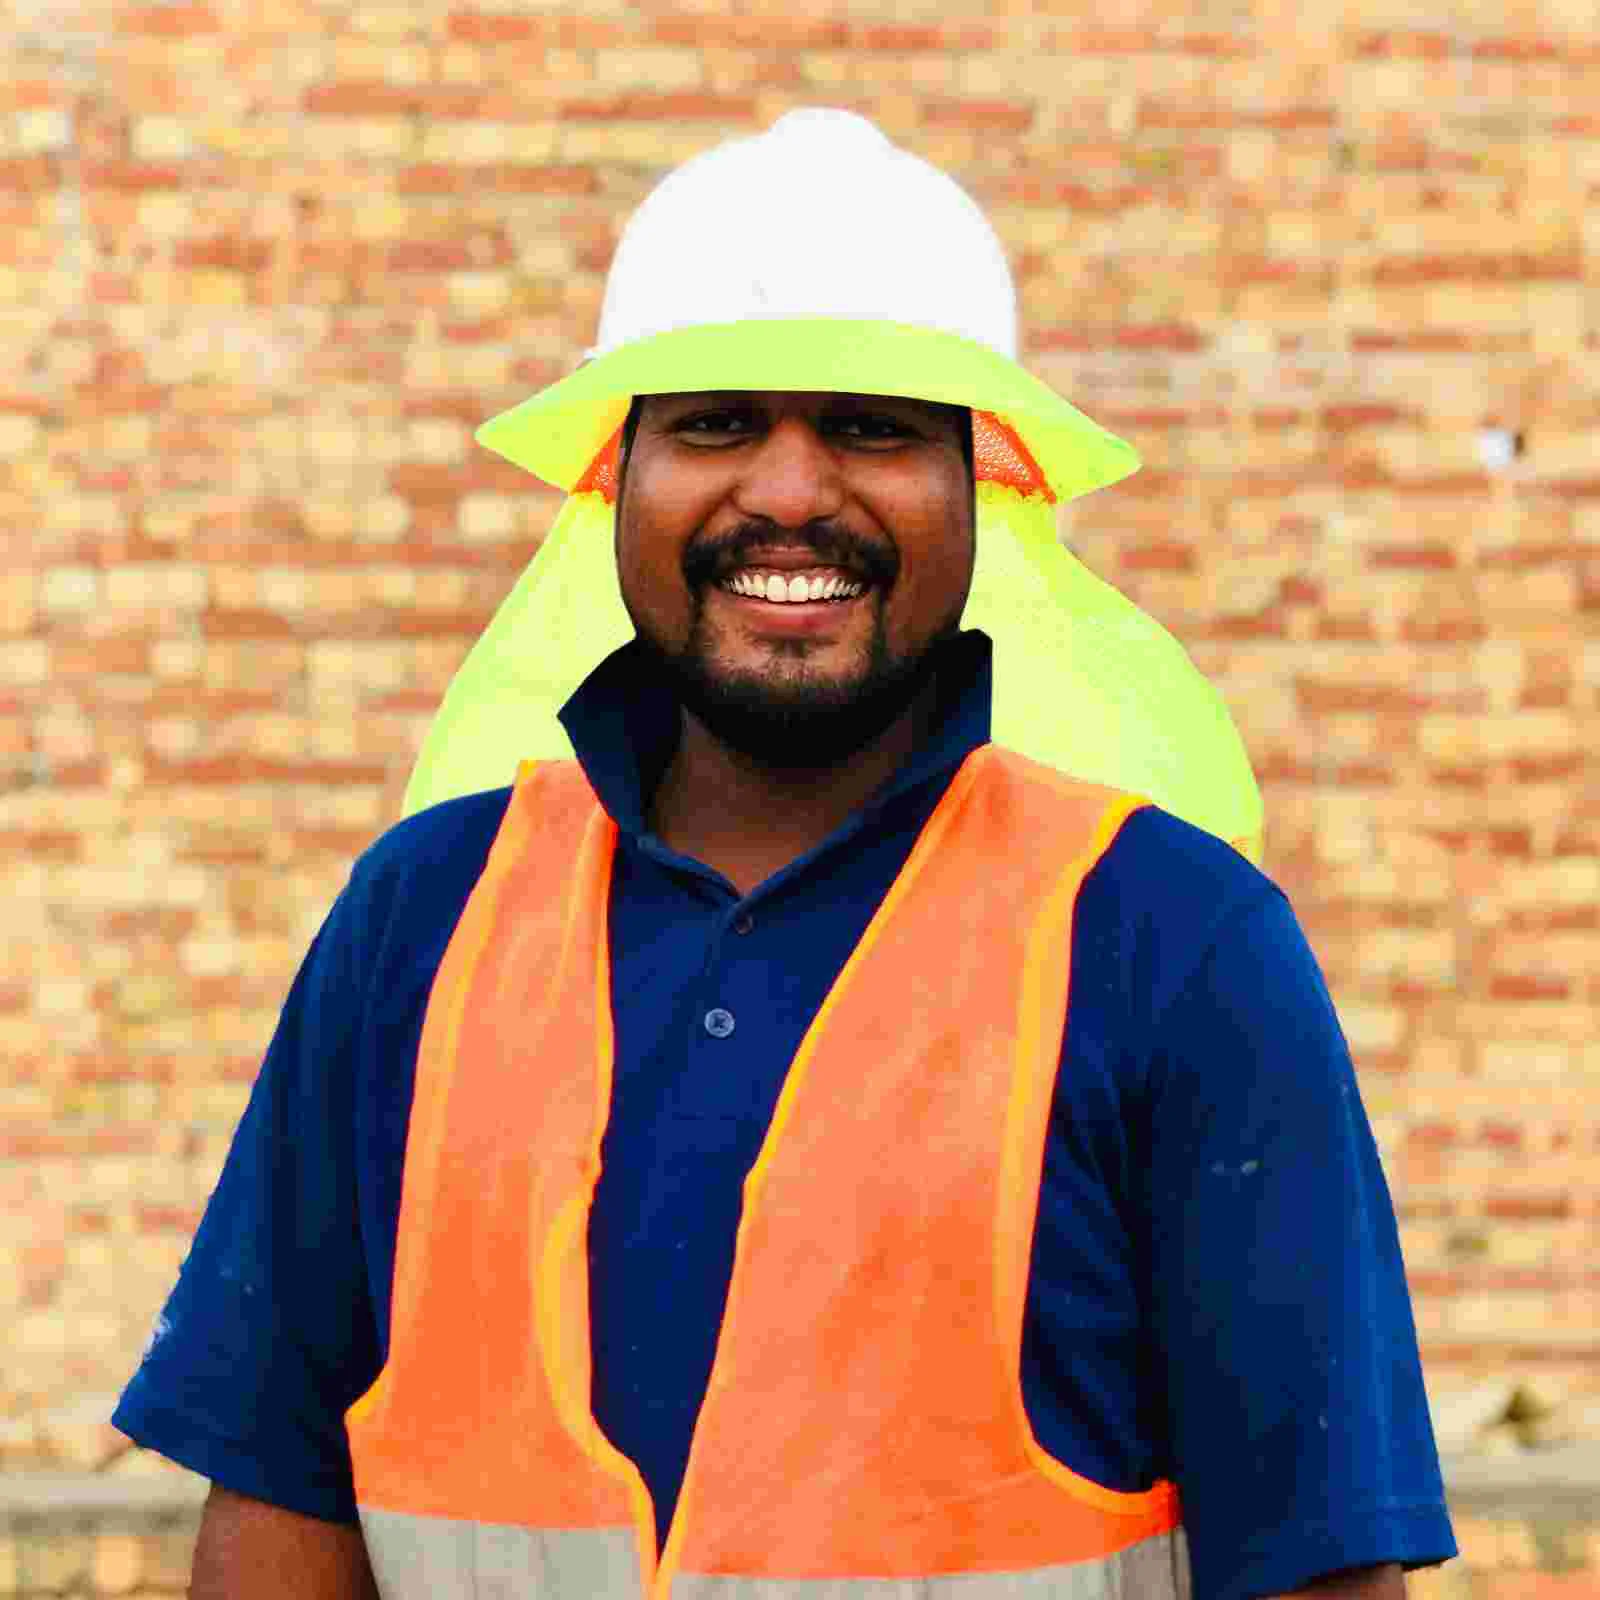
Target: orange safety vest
{"points": [[863, 1431]]}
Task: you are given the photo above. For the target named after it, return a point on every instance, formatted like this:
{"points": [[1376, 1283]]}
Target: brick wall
{"points": [[263, 265]]}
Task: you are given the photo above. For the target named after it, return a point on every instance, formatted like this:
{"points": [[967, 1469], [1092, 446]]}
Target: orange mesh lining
{"points": [[601, 478], [998, 456]]}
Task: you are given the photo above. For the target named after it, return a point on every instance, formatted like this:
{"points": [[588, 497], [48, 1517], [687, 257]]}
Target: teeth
{"points": [[792, 590]]}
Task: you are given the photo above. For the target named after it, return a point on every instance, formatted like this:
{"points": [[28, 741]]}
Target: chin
{"points": [[799, 719]]}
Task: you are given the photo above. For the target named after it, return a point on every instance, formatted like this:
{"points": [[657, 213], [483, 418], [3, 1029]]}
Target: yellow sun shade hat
{"points": [[819, 256]]}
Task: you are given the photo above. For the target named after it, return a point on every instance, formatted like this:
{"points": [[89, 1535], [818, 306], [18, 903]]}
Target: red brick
{"points": [[1500, 1135], [1575, 488], [1547, 769], [479, 252], [18, 1143], [1528, 986], [1300, 591], [1518, 48], [1170, 556], [1142, 39], [1527, 1207], [41, 844], [259, 769], [1265, 626], [897, 38], [497, 178], [491, 27], [1173, 337], [560, 33], [1368, 414], [1405, 42], [1435, 341], [167, 1219], [1186, 116], [1316, 698], [121, 1069], [987, 116], [376, 98], [1517, 267], [1443, 630], [142, 176], [345, 844], [483, 474], [750, 33], [1434, 1135], [229, 254], [94, 658], [691, 105], [1415, 557], [167, 21], [1213, 45], [1361, 775], [31, 174], [1555, 919], [1090, 199], [167, 924]]}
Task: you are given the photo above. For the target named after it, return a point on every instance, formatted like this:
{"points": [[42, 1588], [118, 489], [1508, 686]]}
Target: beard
{"points": [[788, 716]]}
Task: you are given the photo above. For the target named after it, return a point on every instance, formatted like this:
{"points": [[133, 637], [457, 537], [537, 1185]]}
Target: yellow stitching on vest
{"points": [[1044, 945], [569, 1231], [504, 853], [928, 841]]}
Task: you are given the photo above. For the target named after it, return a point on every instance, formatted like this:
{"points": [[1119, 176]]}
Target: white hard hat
{"points": [[821, 216], [815, 256]]}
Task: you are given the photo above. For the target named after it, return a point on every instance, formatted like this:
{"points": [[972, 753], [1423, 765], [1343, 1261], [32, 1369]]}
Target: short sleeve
{"points": [[269, 1335], [1284, 1338]]}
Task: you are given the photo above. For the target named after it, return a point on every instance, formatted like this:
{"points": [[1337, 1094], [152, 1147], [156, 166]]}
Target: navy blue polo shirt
{"points": [[1216, 1295]]}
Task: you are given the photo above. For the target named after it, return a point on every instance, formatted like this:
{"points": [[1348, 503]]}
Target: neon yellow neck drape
{"points": [[1084, 680]]}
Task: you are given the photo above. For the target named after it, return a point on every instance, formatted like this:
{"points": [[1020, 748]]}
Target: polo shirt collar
{"points": [[623, 724]]}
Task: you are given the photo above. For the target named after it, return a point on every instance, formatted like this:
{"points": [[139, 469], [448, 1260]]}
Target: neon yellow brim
{"points": [[558, 432]]}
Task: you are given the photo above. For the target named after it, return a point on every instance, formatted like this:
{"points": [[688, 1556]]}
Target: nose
{"points": [[792, 478]]}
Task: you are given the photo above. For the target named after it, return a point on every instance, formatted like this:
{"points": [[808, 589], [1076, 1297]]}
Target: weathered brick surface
{"points": [[262, 268]]}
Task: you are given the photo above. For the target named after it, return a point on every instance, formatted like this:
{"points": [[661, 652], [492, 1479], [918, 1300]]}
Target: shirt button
{"points": [[719, 1023], [743, 923]]}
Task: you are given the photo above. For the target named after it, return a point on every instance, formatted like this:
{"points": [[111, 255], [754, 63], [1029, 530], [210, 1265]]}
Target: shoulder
{"points": [[1161, 859], [420, 871], [446, 841], [1170, 893]]}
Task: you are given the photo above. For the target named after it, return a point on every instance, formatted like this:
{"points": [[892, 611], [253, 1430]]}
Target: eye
{"points": [[870, 427], [711, 427]]}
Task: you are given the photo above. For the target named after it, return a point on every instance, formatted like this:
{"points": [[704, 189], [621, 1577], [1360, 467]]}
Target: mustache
{"points": [[832, 545]]}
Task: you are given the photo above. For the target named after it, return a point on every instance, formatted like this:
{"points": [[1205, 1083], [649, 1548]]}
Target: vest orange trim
{"points": [[864, 1417]]}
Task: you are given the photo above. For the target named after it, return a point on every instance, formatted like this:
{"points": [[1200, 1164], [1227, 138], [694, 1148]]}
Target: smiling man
{"points": [[790, 564], [862, 1127]]}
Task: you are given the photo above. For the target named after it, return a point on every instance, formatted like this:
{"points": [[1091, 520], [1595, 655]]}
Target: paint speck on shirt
{"points": [[1245, 1169], [159, 1329]]}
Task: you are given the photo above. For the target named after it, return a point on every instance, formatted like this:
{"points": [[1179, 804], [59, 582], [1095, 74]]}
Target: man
{"points": [[805, 1146]]}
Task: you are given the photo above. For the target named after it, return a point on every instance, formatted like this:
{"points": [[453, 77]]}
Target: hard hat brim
{"points": [[557, 433]]}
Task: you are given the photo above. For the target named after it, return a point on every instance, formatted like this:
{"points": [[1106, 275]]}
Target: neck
{"points": [[748, 820]]}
